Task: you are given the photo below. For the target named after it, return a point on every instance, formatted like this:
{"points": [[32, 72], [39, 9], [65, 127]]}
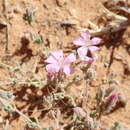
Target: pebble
{"points": [[17, 9]]}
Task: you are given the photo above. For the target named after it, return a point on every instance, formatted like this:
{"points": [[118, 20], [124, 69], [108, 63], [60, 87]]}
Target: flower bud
{"points": [[80, 112]]}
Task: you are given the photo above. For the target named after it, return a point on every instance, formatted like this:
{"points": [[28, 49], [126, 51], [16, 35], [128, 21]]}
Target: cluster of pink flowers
{"points": [[86, 52]]}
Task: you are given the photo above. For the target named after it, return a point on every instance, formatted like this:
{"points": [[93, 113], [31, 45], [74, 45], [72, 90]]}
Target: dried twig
{"points": [[7, 25], [110, 29], [118, 24], [127, 10], [111, 14]]}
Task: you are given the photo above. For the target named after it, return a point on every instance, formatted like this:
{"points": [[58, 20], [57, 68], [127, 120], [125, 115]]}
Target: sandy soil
{"points": [[114, 56]]}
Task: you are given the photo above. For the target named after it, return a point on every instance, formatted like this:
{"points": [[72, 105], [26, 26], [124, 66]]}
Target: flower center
{"points": [[88, 43]]}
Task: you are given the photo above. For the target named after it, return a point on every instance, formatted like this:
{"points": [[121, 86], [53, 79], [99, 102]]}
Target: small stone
{"points": [[17, 9], [11, 16], [3, 23], [60, 2], [73, 13]]}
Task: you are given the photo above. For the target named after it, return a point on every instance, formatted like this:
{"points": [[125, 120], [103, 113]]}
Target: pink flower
{"points": [[87, 50], [57, 63], [80, 112]]}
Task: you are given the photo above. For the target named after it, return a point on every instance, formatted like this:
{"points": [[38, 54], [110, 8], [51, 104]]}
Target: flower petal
{"points": [[58, 55], [52, 68], [85, 35], [83, 39], [51, 59], [87, 59], [68, 70], [70, 58], [93, 49], [82, 51], [96, 41], [79, 41]]}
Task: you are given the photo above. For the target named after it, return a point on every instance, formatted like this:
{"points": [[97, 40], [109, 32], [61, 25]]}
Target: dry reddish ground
{"points": [[48, 15]]}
